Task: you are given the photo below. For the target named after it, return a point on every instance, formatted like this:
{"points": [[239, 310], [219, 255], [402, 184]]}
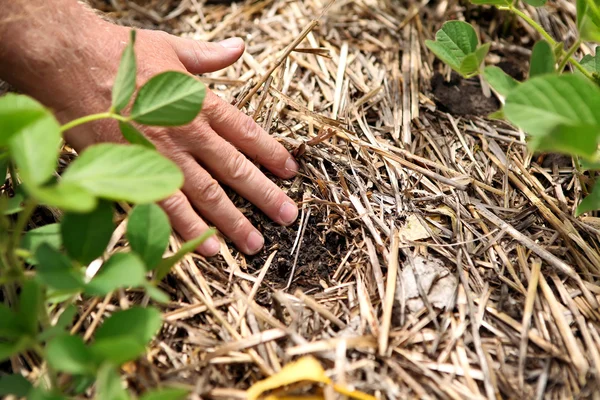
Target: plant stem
{"points": [[534, 25], [19, 227], [566, 57], [93, 117], [548, 38]]}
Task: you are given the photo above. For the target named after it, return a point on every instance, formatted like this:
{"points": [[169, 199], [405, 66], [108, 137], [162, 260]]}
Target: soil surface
{"points": [[320, 253], [462, 96]]}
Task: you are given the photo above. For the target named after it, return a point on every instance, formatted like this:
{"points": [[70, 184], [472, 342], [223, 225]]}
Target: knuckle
{"points": [[239, 168], [175, 205], [210, 192], [250, 133], [240, 227], [272, 195]]}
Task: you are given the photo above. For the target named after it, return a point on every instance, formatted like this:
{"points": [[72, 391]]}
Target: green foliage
{"points": [[121, 270], [588, 19], [592, 63], [56, 270], [167, 263], [166, 394], [124, 335], [86, 235], [16, 113], [543, 60], [43, 269], [125, 80], [69, 354], [167, 99], [124, 173], [34, 149], [109, 385], [499, 80], [456, 44], [539, 105], [15, 384], [133, 136], [148, 232], [536, 3], [559, 111]]}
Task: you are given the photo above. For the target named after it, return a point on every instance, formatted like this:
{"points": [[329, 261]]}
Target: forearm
{"points": [[44, 40]]}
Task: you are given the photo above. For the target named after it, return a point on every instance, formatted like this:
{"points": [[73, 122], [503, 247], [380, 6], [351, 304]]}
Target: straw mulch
{"points": [[434, 257]]}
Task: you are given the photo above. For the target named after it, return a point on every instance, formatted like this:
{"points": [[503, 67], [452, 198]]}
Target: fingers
{"points": [[200, 57], [205, 193], [187, 223], [231, 167], [245, 134]]}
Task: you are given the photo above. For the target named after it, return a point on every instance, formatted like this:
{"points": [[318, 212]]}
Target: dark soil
{"points": [[462, 96], [321, 250]]}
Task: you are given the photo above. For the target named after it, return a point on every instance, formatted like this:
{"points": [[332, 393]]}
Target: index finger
{"points": [[245, 134]]}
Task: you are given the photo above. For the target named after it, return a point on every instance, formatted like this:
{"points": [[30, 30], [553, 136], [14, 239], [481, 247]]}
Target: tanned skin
{"points": [[64, 55]]}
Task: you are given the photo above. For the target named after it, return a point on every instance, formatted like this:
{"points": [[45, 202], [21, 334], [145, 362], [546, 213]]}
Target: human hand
{"points": [[206, 150]]}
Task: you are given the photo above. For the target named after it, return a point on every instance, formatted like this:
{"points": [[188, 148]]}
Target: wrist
{"points": [[43, 44]]}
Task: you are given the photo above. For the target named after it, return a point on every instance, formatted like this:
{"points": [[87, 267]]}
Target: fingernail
{"points": [[210, 247], [291, 165], [232, 43], [255, 242], [288, 213]]}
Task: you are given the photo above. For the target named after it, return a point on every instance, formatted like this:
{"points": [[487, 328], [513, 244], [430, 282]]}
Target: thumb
{"points": [[200, 57]]}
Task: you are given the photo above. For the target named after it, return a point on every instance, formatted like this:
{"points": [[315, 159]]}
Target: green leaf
{"points": [[588, 20], [498, 115], [9, 349], [592, 63], [18, 111], [118, 350], [121, 270], [169, 99], [85, 236], [166, 394], [454, 42], [133, 136], [148, 232], [109, 385], [542, 59], [15, 384], [64, 195], [138, 323], [536, 3], [573, 140], [589, 165], [541, 104], [124, 335], [499, 80], [64, 321], [591, 202], [49, 234], [40, 394], [69, 354], [30, 305], [156, 294], [15, 203], [9, 327], [125, 80], [130, 173], [166, 264], [491, 2], [35, 148], [56, 270], [4, 158], [471, 63]]}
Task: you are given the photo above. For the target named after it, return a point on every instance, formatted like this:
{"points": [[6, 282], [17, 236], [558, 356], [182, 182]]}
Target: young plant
{"points": [[559, 110], [43, 271]]}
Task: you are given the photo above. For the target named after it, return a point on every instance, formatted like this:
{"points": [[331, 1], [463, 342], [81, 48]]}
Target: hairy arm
{"points": [[65, 56]]}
